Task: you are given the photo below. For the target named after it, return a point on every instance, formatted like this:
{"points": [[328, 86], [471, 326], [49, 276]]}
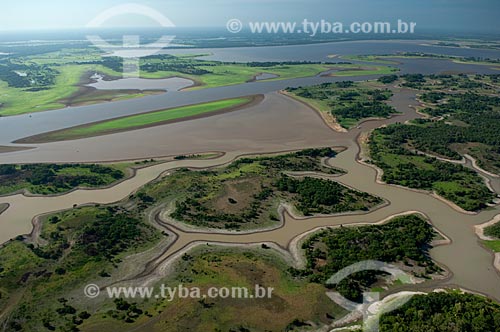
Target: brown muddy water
{"points": [[277, 124]]}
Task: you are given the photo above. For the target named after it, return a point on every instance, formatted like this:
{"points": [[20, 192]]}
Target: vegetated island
{"points": [[47, 179], [90, 244], [420, 154], [40, 77], [347, 102], [247, 193]]}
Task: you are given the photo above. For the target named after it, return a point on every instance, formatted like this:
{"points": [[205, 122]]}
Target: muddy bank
{"points": [[275, 124], [47, 137], [8, 149], [3, 207], [470, 265]]}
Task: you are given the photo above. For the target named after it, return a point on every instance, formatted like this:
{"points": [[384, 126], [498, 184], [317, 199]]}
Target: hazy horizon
{"points": [[430, 15]]}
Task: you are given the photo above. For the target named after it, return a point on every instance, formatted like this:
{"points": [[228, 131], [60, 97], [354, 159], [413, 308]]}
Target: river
{"points": [[277, 124]]}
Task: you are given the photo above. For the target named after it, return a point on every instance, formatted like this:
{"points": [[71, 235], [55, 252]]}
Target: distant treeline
{"points": [[27, 76]]}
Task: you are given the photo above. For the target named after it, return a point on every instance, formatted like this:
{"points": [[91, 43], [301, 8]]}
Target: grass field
{"points": [[369, 58], [231, 74], [18, 101], [72, 64], [494, 245], [143, 120], [43, 285]]}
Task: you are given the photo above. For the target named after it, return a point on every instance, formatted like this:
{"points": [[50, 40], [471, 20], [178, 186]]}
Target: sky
{"points": [[458, 15]]}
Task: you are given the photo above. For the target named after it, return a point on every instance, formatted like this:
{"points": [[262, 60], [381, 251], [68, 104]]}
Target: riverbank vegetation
{"points": [[444, 311], [402, 166], [493, 232], [44, 179], [94, 244], [404, 239], [80, 245], [347, 101], [246, 193], [88, 244], [463, 116], [471, 123], [52, 79], [392, 59]]}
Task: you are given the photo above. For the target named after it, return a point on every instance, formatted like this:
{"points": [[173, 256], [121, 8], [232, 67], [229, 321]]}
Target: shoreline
{"points": [[132, 169], [478, 168], [4, 207], [293, 254], [327, 118], [380, 173], [45, 137], [479, 230], [9, 149], [184, 240]]}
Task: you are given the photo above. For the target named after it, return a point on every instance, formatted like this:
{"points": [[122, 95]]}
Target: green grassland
{"points": [[493, 231], [348, 102], [141, 120], [231, 74], [295, 303], [212, 74], [246, 194], [357, 70], [17, 101], [58, 76], [45, 179], [66, 70], [493, 245]]}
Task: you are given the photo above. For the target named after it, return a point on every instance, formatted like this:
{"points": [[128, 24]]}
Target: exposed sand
{"points": [[476, 166], [327, 117], [480, 228]]}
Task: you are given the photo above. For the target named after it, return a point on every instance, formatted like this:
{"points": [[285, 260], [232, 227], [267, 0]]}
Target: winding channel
{"points": [[470, 265]]}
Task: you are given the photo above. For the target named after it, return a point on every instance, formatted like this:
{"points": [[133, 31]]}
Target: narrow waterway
{"points": [[470, 264]]}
